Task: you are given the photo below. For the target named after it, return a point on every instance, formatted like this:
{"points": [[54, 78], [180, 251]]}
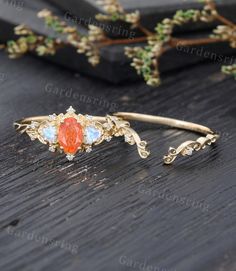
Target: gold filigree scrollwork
{"points": [[122, 128], [97, 129], [187, 148]]}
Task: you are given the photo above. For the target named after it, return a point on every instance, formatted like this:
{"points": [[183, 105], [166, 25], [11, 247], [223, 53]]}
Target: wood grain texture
{"points": [[110, 207]]}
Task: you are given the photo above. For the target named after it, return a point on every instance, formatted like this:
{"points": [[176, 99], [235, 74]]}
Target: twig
{"points": [[224, 20], [175, 42], [218, 16], [109, 42], [151, 45], [144, 29]]}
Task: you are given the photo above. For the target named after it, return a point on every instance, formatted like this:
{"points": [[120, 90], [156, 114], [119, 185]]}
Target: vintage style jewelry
{"points": [[72, 133], [187, 147]]}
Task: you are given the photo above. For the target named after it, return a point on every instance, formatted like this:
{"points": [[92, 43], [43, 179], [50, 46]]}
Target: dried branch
{"points": [[145, 58]]}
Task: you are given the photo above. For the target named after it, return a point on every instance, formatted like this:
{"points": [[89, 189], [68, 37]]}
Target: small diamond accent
{"points": [[130, 140], [52, 149], [52, 117], [89, 149], [70, 110], [33, 125], [108, 139], [188, 151], [127, 138], [70, 157]]}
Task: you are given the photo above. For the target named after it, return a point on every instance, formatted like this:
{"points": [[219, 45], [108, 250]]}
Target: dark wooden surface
{"points": [[106, 206]]}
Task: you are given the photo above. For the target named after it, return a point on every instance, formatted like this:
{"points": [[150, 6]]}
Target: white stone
{"points": [[89, 149], [70, 110], [52, 117], [127, 138], [91, 135], [49, 133], [188, 151], [70, 157], [52, 149], [108, 139], [34, 124]]}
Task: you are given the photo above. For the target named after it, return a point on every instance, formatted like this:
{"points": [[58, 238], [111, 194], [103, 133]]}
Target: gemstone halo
{"points": [[71, 133], [74, 133]]}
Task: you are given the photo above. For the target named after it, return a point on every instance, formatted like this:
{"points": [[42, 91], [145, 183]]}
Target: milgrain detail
{"points": [[187, 148]]}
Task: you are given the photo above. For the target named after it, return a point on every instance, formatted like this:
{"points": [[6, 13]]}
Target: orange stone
{"points": [[70, 135]]}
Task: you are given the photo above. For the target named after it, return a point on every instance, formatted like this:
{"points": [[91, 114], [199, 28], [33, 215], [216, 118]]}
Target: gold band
{"points": [[175, 123], [22, 124], [187, 147], [111, 126]]}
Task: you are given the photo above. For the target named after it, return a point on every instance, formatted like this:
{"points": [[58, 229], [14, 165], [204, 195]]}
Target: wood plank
{"points": [[109, 208]]}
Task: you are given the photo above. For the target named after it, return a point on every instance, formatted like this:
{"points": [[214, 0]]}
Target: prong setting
{"points": [[81, 133]]}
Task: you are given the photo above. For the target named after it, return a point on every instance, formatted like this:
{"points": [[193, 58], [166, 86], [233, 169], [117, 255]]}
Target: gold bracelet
{"points": [[72, 133]]}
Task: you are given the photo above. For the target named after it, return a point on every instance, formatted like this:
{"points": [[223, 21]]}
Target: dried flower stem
{"points": [[144, 30], [217, 16], [172, 43], [193, 42], [145, 56], [224, 20], [109, 42]]}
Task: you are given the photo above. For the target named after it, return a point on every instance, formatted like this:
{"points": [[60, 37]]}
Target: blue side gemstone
{"points": [[50, 133], [92, 134]]}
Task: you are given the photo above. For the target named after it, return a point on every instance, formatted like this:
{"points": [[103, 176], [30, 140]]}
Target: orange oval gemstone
{"points": [[70, 135]]}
